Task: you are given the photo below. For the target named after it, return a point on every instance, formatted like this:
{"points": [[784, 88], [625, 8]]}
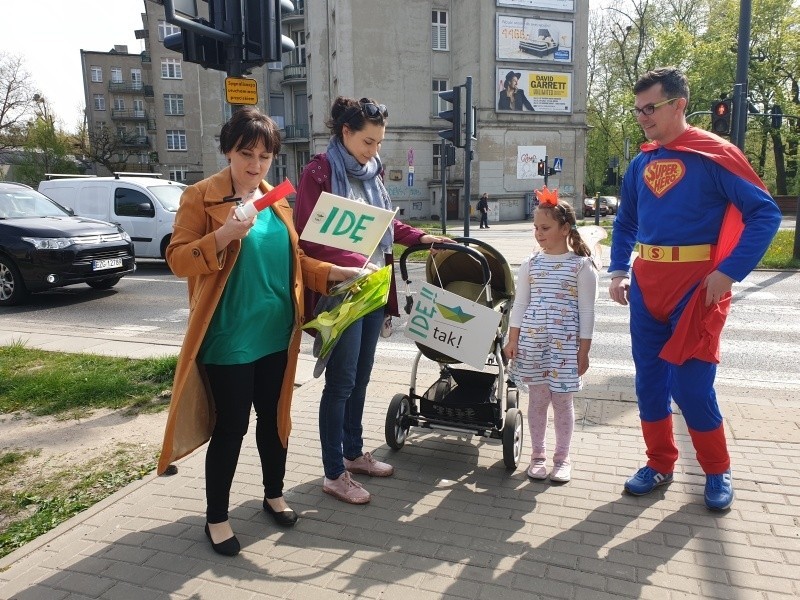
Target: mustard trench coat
{"points": [[192, 254]]}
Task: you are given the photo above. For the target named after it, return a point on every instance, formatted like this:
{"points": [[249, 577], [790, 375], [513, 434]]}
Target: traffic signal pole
{"points": [[742, 64], [468, 155]]}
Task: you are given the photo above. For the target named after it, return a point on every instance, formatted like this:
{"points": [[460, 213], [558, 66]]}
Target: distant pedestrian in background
{"points": [[550, 330], [483, 208]]}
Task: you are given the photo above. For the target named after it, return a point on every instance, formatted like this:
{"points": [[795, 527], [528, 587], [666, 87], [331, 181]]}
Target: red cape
{"points": [[697, 333]]}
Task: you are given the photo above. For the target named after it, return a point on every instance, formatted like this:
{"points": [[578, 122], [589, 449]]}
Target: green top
{"points": [[255, 314]]}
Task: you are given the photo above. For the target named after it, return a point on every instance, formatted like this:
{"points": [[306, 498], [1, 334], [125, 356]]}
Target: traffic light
{"points": [[721, 117], [450, 155], [777, 116], [205, 51], [611, 177], [454, 133], [263, 40], [540, 168]]}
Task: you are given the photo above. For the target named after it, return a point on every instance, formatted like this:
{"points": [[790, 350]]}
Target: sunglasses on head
{"points": [[368, 108]]}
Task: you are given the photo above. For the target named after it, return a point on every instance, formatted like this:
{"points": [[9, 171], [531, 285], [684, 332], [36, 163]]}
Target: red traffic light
{"points": [[722, 109]]}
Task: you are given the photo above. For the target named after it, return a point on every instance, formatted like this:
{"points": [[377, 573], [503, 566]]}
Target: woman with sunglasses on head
{"points": [[351, 168]]}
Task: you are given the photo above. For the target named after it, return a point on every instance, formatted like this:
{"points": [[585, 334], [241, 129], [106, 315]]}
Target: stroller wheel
{"points": [[397, 421], [512, 438], [512, 397]]}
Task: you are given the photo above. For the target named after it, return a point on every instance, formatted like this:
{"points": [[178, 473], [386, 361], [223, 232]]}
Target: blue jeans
{"points": [[342, 406]]}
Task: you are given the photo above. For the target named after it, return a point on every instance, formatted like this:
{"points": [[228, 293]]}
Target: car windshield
{"points": [[168, 195], [19, 203]]}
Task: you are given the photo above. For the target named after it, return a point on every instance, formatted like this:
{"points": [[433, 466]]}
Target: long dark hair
{"points": [[355, 114]]}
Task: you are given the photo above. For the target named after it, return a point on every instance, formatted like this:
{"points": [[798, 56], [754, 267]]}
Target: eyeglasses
{"points": [[368, 108], [649, 109]]}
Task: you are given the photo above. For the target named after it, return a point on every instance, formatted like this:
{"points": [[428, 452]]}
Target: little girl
{"points": [[551, 327]]}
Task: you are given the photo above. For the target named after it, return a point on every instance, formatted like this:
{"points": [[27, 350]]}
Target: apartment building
{"points": [[527, 60]]}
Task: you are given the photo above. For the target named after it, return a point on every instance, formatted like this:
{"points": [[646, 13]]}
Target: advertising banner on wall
{"points": [[539, 91], [520, 38], [566, 5], [528, 158]]}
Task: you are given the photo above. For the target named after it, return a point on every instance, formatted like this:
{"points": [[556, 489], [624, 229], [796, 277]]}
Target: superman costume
{"points": [[695, 205]]}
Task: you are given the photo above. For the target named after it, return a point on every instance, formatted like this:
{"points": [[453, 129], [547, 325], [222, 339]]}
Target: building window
{"points": [[136, 79], [278, 169], [302, 157], [178, 172], [99, 102], [116, 75], [165, 29], [437, 161], [299, 52], [173, 104], [138, 108], [119, 104], [439, 30], [140, 131], [144, 158], [121, 133], [176, 139], [97, 75], [437, 104], [171, 68]]}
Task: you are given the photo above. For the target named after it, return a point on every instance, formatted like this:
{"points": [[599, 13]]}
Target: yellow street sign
{"points": [[241, 90]]}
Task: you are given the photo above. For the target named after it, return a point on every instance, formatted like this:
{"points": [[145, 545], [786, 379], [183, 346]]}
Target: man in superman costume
{"points": [[703, 220]]}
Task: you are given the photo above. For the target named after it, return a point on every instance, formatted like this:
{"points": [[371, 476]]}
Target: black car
{"points": [[42, 246]]}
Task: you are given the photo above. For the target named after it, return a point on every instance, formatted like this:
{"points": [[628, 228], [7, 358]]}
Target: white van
{"points": [[142, 204]]}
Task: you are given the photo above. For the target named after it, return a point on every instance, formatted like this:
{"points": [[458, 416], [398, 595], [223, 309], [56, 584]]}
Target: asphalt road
{"points": [[761, 342]]}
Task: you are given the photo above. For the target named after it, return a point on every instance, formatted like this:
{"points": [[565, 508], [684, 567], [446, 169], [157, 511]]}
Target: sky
{"points": [[49, 34]]}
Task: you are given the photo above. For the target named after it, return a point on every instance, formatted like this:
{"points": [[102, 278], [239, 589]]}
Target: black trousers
{"points": [[484, 222], [235, 389]]}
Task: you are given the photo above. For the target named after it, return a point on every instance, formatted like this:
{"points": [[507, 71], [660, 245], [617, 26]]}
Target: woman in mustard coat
{"points": [[245, 281]]}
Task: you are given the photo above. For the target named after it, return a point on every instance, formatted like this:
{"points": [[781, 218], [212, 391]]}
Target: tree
{"points": [[16, 100], [45, 148], [102, 146]]}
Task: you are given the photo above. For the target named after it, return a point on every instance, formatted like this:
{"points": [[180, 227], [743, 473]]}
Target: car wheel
{"points": [[104, 284], [164, 244], [12, 288]]}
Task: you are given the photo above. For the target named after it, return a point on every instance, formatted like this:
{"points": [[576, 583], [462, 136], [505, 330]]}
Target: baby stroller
{"points": [[463, 400]]}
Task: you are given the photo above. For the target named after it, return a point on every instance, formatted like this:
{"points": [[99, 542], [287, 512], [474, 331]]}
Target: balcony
{"points": [[294, 134], [294, 73], [151, 124], [122, 87], [295, 15], [134, 141], [146, 57], [128, 114], [148, 91]]}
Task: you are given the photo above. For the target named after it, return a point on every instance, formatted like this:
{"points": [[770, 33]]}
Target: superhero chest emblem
{"points": [[662, 175]]}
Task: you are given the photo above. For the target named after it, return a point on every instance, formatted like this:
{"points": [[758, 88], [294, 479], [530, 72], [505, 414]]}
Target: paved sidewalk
{"points": [[451, 522]]}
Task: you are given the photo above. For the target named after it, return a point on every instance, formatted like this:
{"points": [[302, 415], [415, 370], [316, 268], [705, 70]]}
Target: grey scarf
{"points": [[343, 165]]}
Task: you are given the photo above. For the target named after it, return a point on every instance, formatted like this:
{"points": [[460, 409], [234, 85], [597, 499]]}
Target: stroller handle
{"points": [[458, 247]]}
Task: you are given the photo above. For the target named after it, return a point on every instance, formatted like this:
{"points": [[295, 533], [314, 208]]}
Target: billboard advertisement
{"points": [[537, 91], [565, 5], [520, 38]]}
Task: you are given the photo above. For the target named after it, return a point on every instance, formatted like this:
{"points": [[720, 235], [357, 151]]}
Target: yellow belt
{"points": [[696, 253]]}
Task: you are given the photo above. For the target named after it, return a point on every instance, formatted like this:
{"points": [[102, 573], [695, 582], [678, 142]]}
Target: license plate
{"points": [[108, 263]]}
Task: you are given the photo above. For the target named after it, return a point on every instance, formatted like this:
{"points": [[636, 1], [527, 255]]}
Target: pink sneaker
{"points": [[538, 469], [562, 472], [367, 465], [346, 489]]}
